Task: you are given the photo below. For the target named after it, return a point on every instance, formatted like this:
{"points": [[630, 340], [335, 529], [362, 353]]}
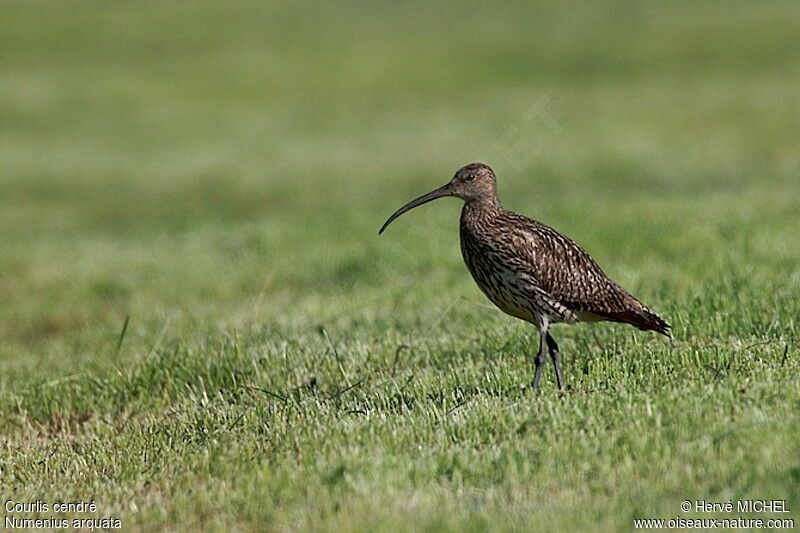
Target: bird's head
{"points": [[473, 182]]}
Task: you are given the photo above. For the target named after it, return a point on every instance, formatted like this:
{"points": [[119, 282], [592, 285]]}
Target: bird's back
{"points": [[538, 264]]}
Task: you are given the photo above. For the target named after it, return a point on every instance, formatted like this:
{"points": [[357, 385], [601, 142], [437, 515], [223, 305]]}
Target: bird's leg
{"points": [[551, 343], [541, 357]]}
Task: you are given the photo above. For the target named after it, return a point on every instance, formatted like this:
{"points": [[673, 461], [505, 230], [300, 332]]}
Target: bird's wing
{"points": [[570, 276]]}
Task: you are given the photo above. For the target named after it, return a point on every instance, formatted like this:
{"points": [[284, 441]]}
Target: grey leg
{"points": [[551, 343], [541, 357]]}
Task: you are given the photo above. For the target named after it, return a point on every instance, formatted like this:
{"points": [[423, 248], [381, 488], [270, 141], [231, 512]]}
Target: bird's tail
{"points": [[642, 318]]}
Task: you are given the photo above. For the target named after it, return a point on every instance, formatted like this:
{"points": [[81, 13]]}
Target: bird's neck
{"points": [[480, 209]]}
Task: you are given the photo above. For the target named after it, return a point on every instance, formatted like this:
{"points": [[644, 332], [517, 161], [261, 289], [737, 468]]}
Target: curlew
{"points": [[531, 271]]}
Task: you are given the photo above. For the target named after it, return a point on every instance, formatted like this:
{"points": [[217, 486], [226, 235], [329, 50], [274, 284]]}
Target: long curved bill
{"points": [[441, 192]]}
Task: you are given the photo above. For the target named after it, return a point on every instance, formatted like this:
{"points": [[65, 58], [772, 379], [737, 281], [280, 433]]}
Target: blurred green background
{"points": [[219, 170]]}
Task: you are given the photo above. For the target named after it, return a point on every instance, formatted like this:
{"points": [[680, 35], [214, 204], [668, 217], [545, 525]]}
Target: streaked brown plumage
{"points": [[531, 271]]}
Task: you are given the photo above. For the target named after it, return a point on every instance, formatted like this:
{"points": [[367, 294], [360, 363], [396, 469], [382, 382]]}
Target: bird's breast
{"points": [[496, 277]]}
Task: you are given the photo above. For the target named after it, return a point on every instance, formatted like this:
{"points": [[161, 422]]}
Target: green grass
{"points": [[217, 175]]}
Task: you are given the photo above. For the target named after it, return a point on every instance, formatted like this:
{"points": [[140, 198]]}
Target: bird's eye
{"points": [[470, 177]]}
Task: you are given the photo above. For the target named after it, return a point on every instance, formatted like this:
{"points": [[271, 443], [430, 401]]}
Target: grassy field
{"points": [[199, 325]]}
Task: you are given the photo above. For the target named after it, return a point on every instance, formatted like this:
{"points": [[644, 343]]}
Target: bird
{"points": [[531, 271]]}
